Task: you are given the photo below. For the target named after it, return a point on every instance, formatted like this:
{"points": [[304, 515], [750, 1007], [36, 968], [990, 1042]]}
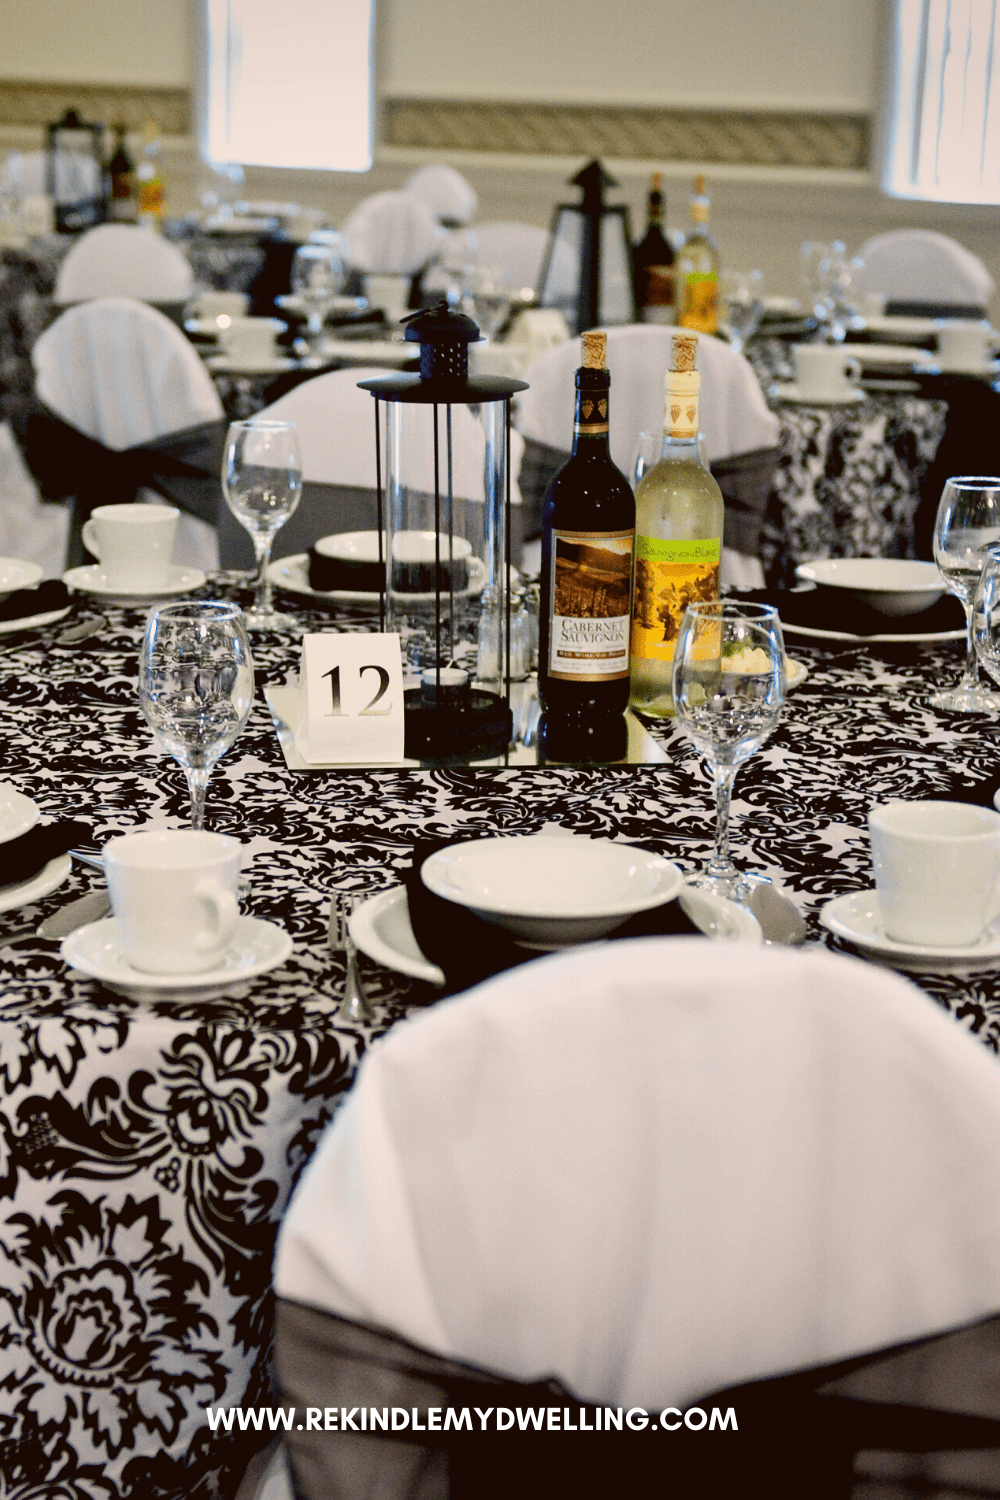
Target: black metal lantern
{"points": [[442, 445], [75, 172], [587, 271]]}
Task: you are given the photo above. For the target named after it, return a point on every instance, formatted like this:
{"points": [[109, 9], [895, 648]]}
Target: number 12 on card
{"points": [[369, 708], [350, 699]]}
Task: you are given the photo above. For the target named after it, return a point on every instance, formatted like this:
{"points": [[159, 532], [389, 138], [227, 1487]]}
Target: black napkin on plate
{"points": [[469, 950], [832, 609], [23, 604], [25, 857]]}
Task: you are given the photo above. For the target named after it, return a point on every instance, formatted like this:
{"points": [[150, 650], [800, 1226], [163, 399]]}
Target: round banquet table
{"points": [[147, 1149]]}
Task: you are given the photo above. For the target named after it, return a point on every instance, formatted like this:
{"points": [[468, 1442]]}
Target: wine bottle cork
{"points": [[685, 350], [595, 348], [681, 387]]}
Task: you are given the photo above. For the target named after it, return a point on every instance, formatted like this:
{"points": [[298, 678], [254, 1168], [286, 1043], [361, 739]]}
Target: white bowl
{"points": [[552, 889], [17, 574], [891, 585], [408, 546]]}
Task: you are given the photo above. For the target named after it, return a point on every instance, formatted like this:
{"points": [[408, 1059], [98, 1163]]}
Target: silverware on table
{"points": [[355, 1005], [82, 630], [78, 913]]}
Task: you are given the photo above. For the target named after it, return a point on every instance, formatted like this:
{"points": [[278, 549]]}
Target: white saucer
{"points": [[292, 575], [906, 355], [96, 950], [930, 637], [856, 919], [17, 813], [93, 580], [796, 673], [381, 929], [34, 622], [789, 392], [903, 328], [16, 574], [988, 371], [43, 884], [222, 364]]}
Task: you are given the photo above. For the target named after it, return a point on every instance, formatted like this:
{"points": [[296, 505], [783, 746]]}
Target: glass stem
{"points": [[970, 677], [262, 594], [723, 776], [197, 780]]}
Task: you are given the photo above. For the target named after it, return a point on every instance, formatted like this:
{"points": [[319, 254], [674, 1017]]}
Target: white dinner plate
{"points": [[256, 948], [17, 574], [905, 355], [381, 929], [790, 392], [552, 888], [856, 918], [293, 304], [988, 371], [913, 329], [34, 622], [368, 351], [93, 580], [43, 884], [17, 813], [222, 364], [923, 638], [292, 575]]}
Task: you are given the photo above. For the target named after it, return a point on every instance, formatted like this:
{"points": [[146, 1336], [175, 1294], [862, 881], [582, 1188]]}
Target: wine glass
{"points": [[489, 291], [262, 482], [742, 297], [967, 524], [196, 687], [648, 451], [728, 687], [986, 614], [316, 276]]}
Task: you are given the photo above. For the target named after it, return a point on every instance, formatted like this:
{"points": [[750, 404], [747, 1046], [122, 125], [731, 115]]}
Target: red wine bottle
{"points": [[588, 534]]}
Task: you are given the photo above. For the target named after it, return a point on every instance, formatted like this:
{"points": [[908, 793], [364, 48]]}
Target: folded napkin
{"points": [[25, 857], [469, 950], [827, 609], [23, 604]]}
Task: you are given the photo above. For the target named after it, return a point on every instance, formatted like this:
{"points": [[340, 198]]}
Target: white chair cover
{"points": [[660, 1168], [391, 234], [920, 265], [124, 260], [519, 249], [29, 528], [122, 373], [336, 427], [446, 193]]}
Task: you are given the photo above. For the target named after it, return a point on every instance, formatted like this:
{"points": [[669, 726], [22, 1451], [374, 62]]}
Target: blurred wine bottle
{"points": [[653, 262], [588, 525], [150, 187], [697, 272], [121, 172]]}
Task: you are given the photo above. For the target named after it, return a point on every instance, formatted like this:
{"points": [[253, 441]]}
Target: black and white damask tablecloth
{"points": [[147, 1150]]}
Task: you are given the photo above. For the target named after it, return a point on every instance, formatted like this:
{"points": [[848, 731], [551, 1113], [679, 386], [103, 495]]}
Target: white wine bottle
{"points": [[679, 513], [697, 270]]}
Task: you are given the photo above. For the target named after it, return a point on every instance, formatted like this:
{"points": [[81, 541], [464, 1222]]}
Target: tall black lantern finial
{"points": [[587, 271], [442, 443]]}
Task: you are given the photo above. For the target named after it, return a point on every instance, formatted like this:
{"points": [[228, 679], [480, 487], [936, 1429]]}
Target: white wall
{"points": [[96, 41], [764, 54]]}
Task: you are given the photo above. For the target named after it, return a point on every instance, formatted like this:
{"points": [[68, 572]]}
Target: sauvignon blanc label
{"points": [[591, 592], [669, 575]]}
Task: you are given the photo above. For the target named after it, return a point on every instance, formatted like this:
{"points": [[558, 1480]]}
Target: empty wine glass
{"points": [[742, 298], [316, 277], [196, 687], [262, 483], [967, 525], [729, 687], [490, 294]]}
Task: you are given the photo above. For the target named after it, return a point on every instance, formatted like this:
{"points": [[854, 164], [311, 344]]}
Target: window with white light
{"points": [[942, 121], [289, 83]]}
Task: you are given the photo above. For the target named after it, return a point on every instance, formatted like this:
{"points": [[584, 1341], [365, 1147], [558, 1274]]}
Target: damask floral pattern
{"points": [[147, 1150]]}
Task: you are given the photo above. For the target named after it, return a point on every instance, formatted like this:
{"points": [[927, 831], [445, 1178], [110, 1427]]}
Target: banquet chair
{"points": [[446, 193], [391, 234], [124, 260], [665, 1173], [922, 272], [112, 376], [740, 433], [335, 420]]}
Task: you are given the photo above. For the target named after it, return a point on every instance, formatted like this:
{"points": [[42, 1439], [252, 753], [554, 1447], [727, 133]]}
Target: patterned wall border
{"points": [[29, 103], [765, 138]]}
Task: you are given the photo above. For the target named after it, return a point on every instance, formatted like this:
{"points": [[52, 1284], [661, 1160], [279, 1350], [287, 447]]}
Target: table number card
{"points": [[350, 698]]}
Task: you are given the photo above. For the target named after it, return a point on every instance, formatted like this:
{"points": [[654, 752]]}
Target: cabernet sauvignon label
{"points": [[591, 591]]}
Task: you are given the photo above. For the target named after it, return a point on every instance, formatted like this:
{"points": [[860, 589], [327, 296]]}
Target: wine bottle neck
{"points": [[590, 425]]}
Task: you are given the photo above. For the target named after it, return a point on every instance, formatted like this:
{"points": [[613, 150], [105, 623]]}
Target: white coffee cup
{"points": [[133, 543], [937, 871], [964, 344], [825, 371], [250, 340], [390, 293], [173, 894]]}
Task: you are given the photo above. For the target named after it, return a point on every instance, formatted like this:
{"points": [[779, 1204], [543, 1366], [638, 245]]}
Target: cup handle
{"points": [[89, 534], [223, 910], [852, 370]]}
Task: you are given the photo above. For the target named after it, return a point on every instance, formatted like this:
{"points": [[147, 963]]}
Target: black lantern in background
{"points": [[442, 445], [75, 172], [587, 272]]}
